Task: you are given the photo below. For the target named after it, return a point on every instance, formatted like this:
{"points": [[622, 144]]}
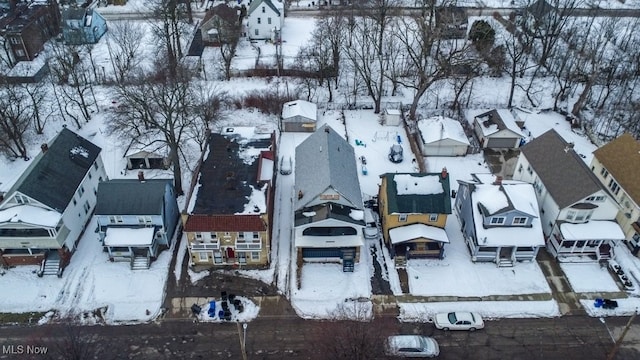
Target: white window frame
{"points": [[516, 220], [496, 220], [402, 217], [201, 254], [255, 256], [433, 217]]}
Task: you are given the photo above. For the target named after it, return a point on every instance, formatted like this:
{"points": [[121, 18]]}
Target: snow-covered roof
{"points": [[30, 214], [117, 236], [410, 232], [409, 184], [439, 128], [302, 108], [594, 229], [519, 195], [499, 119]]}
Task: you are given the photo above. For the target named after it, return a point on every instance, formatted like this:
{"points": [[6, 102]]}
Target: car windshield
{"points": [[452, 318]]}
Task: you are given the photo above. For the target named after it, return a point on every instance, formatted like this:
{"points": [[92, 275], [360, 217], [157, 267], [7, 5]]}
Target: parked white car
{"points": [[459, 320], [371, 228], [411, 346]]}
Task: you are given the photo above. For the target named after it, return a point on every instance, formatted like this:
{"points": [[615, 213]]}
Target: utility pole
{"points": [[242, 341], [616, 346]]}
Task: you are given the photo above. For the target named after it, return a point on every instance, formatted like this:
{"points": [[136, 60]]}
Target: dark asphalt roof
{"points": [[131, 197], [564, 174], [54, 177], [225, 177]]}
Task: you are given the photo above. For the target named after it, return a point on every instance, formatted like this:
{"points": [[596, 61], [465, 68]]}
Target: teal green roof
{"points": [[428, 203]]}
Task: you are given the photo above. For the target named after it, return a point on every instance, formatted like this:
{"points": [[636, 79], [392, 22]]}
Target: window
{"points": [[263, 9], [198, 236], [20, 53], [74, 201], [86, 207], [256, 236], [402, 217], [255, 256], [214, 236], [14, 40], [529, 170], [259, 21], [89, 175], [81, 191], [571, 214], [115, 219], [269, 21], [95, 165], [433, 217], [604, 173], [203, 256], [21, 199], [537, 185], [257, 32], [242, 257], [142, 220], [241, 236], [519, 220], [614, 187], [497, 220], [217, 257]]}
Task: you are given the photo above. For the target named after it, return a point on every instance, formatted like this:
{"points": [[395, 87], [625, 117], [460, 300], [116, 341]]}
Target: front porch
{"points": [[138, 246], [503, 256], [589, 242], [416, 241]]}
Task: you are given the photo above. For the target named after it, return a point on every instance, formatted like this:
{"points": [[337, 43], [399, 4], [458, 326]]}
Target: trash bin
{"points": [[195, 309], [598, 302]]}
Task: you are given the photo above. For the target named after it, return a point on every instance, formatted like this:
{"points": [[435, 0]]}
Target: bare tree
{"points": [[75, 344], [124, 41], [75, 85], [15, 118], [167, 26], [349, 336], [157, 109], [210, 105], [228, 35], [429, 57], [516, 51]]}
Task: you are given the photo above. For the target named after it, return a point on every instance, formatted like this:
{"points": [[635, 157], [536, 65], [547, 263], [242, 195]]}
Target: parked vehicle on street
{"points": [[411, 346], [458, 320]]}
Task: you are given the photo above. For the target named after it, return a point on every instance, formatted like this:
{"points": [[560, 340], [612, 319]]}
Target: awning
{"points": [[414, 231], [129, 236]]}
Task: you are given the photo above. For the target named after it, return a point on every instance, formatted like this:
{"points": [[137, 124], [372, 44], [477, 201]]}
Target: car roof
{"points": [[406, 341], [464, 315]]}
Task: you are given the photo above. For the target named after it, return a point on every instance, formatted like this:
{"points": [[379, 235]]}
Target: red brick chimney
{"points": [[444, 173], [498, 180], [44, 147], [141, 176]]}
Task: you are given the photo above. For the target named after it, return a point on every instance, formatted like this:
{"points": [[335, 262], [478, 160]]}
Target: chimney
{"points": [[44, 147], [568, 147], [444, 173], [141, 176], [498, 180], [300, 194]]}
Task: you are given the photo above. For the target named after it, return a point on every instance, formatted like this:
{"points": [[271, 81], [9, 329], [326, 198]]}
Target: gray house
{"points": [[328, 208], [497, 129], [499, 219], [136, 219], [578, 214]]}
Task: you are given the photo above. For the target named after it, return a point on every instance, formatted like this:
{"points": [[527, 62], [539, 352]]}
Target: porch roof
{"points": [[592, 230], [122, 236], [327, 242], [410, 232], [30, 214]]}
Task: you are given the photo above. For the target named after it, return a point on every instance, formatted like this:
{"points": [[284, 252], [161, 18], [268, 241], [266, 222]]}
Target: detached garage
{"points": [[442, 136], [497, 129], [299, 116]]}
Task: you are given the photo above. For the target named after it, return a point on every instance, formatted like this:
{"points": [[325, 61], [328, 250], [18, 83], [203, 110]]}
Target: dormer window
{"points": [[433, 217], [519, 220], [21, 199], [497, 220], [402, 217]]}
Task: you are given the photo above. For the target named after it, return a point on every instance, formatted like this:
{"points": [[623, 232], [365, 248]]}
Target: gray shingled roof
{"points": [[325, 160], [54, 176], [563, 173], [131, 197]]}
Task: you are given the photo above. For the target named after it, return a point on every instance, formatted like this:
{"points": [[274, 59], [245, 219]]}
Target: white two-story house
{"points": [[577, 213], [265, 19], [43, 215]]}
